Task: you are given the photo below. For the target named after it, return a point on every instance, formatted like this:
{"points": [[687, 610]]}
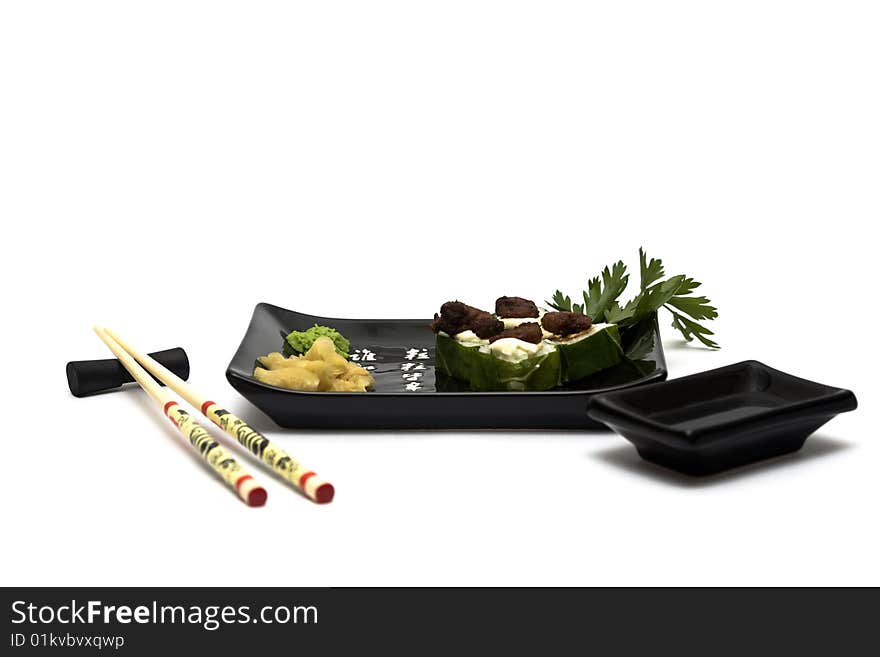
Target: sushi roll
{"points": [[584, 348], [512, 359], [520, 347]]}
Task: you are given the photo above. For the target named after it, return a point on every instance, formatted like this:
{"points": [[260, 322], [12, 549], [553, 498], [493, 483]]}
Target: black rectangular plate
{"points": [[723, 418], [408, 393]]}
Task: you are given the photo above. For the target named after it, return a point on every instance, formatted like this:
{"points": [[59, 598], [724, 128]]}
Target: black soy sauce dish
{"points": [[418, 397], [720, 419]]}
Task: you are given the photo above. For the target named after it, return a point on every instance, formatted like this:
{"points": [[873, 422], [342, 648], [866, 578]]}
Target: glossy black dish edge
{"points": [[720, 419], [443, 404]]}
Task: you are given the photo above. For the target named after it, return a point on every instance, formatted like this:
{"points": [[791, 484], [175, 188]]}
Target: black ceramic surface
{"points": [[408, 393], [720, 419]]}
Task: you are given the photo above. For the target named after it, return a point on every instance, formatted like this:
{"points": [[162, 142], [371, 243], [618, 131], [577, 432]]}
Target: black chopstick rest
{"points": [[86, 377]]}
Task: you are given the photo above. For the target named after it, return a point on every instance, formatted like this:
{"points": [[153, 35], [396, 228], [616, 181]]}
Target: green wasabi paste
{"points": [[299, 342]]}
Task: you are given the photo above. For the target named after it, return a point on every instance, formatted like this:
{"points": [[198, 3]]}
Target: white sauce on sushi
{"points": [[513, 322], [515, 350], [468, 338]]}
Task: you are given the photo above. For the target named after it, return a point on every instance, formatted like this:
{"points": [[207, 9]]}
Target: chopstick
{"points": [[286, 466], [224, 465]]}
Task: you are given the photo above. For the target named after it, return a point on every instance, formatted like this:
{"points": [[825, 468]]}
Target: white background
{"points": [[165, 166]]}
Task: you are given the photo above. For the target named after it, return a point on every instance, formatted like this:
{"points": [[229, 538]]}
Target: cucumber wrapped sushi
{"points": [[519, 347], [589, 352], [486, 367]]}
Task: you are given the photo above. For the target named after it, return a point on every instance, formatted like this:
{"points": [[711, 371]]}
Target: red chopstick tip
{"points": [[324, 493], [257, 496]]}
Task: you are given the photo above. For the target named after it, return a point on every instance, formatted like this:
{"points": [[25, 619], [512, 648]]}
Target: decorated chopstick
{"points": [[276, 458], [224, 465]]}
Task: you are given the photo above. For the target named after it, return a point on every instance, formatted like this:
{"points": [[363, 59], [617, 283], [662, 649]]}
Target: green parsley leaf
{"points": [[560, 301], [599, 296], [641, 339], [651, 271], [563, 303], [655, 296], [687, 286], [691, 329], [601, 300], [696, 307], [622, 316]]}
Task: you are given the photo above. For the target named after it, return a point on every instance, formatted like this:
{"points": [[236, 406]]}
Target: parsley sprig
{"points": [[674, 294]]}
